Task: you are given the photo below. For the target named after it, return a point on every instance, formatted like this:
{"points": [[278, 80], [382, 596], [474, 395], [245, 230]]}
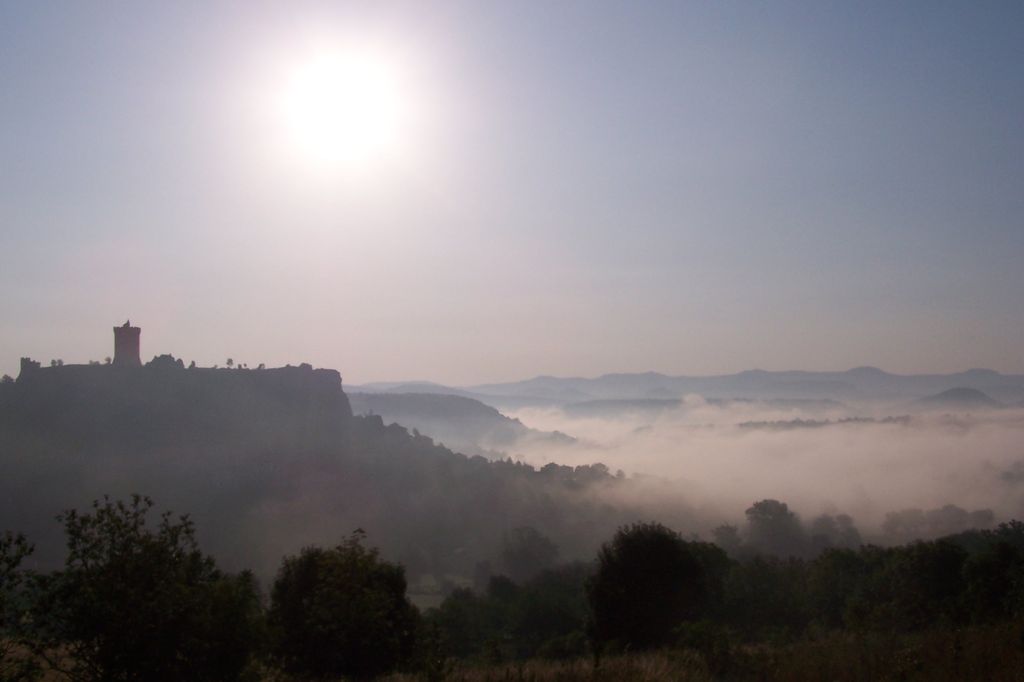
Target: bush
{"points": [[139, 604], [341, 611]]}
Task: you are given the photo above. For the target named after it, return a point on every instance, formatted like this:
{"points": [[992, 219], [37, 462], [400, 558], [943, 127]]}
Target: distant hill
{"points": [[463, 424], [812, 388], [409, 387], [861, 383], [652, 407], [500, 402], [960, 398]]}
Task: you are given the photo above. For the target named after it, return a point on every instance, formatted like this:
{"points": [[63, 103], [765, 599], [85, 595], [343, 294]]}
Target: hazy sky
{"points": [[577, 188]]}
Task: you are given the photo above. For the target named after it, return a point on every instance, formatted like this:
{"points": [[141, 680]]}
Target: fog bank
{"points": [[721, 457]]}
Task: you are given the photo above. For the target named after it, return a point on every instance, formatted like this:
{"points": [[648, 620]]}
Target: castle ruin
{"points": [[126, 345]]}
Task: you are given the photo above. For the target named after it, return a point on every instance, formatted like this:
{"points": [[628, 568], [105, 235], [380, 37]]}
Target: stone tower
{"points": [[126, 345]]}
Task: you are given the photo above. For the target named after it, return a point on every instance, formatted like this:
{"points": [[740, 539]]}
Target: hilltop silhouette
{"points": [[960, 398]]}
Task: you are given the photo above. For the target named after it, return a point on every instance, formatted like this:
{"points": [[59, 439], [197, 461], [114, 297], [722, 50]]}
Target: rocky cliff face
{"points": [[163, 404], [228, 446]]}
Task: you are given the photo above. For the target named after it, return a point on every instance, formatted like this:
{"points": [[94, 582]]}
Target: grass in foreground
{"points": [[992, 654]]}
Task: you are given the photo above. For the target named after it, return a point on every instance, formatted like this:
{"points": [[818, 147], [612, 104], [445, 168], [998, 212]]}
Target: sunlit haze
{"points": [[343, 109], [503, 339], [474, 192]]}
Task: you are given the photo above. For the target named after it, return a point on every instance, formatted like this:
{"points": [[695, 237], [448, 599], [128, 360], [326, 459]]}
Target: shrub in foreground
{"points": [[135, 603]]}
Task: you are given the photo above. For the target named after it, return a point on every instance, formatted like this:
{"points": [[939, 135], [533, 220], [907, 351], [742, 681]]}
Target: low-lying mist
{"points": [[864, 461], [268, 461]]}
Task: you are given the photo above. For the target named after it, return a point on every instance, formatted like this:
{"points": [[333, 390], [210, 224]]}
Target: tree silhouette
{"points": [[834, 531], [648, 581], [135, 603], [727, 537], [773, 528], [341, 612]]}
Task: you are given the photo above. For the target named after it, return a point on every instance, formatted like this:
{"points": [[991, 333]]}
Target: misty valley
{"points": [[770, 522], [504, 341]]}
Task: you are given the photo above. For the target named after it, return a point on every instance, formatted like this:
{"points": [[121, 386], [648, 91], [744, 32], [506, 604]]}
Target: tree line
{"points": [[137, 599]]}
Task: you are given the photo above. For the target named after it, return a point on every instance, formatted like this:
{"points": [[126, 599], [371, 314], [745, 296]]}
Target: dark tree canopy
{"points": [[648, 581], [341, 611], [774, 529], [834, 531]]}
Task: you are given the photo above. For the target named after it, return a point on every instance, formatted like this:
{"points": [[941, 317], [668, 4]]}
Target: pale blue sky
{"points": [[588, 187]]}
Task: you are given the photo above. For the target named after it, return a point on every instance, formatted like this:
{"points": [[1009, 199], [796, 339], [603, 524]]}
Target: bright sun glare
{"points": [[344, 109]]}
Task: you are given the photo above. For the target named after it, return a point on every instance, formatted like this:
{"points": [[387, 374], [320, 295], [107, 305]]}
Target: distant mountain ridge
{"points": [[859, 383]]}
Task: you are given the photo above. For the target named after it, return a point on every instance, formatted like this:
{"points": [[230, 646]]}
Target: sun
{"points": [[344, 108]]}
